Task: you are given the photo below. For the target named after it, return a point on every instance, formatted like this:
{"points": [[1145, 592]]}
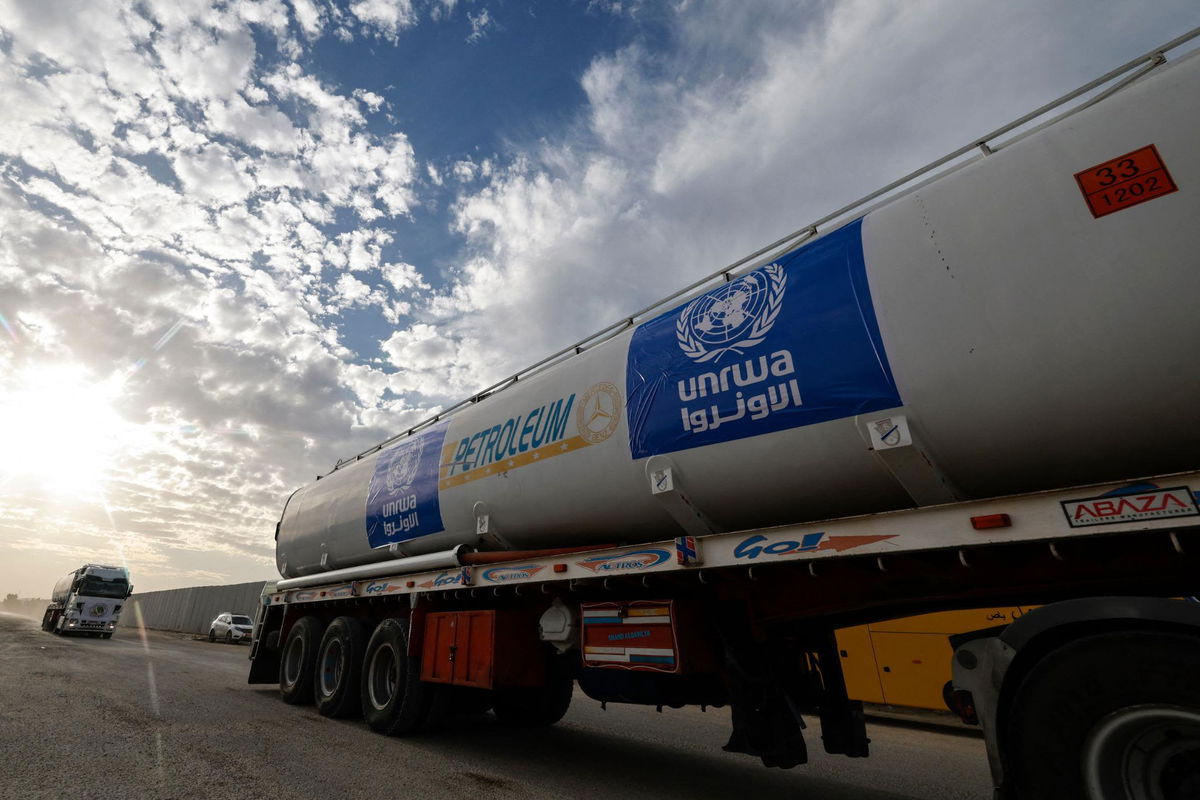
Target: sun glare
{"points": [[58, 431]]}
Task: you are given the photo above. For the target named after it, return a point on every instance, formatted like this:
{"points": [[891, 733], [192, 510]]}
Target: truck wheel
{"points": [[535, 708], [339, 668], [394, 699], [106, 636], [299, 661], [1108, 715]]}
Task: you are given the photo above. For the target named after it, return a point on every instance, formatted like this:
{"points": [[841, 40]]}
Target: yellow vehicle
{"points": [[906, 662]]}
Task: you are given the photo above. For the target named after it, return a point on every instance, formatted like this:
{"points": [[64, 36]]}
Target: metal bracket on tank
{"points": [[485, 528], [666, 486], [899, 449], [395, 549]]}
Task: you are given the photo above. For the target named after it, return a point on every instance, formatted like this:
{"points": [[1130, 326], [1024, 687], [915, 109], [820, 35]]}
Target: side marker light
{"points": [[988, 521]]}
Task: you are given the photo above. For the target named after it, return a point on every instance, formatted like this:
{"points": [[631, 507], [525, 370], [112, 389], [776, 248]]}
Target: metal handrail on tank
{"points": [[1146, 62]]}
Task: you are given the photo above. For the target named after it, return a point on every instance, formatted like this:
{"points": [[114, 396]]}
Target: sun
{"points": [[58, 431]]}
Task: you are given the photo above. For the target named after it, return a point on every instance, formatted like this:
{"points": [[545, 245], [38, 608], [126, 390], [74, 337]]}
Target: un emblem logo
{"points": [[403, 465], [732, 317]]}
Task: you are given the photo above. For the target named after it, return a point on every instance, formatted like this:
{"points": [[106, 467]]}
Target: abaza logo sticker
{"points": [[1131, 504]]}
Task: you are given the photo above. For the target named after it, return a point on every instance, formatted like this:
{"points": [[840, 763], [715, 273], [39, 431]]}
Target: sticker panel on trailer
{"points": [[637, 635], [1133, 504], [1125, 181]]}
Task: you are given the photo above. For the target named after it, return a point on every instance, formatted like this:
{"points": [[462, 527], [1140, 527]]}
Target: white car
{"points": [[232, 628]]}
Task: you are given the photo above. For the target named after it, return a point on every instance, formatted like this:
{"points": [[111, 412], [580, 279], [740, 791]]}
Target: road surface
{"points": [[156, 715]]}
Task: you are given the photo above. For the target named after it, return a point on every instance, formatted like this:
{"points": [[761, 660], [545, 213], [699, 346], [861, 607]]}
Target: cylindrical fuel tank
{"points": [[62, 589], [1033, 314]]}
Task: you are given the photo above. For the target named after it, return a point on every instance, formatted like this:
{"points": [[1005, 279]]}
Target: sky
{"points": [[242, 240]]}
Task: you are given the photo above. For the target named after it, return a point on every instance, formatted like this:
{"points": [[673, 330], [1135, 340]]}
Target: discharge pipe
{"points": [[395, 566]]}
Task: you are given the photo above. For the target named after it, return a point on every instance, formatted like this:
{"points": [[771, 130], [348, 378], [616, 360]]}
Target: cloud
{"points": [[372, 100], [154, 168], [403, 277], [203, 64], [385, 18], [263, 127], [464, 170], [757, 121], [309, 16], [480, 24]]}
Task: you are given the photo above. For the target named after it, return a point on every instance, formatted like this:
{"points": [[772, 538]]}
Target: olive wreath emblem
{"points": [[403, 466], [694, 348]]}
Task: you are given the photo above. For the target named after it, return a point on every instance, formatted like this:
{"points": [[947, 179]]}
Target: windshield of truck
{"points": [[242, 620], [98, 587]]}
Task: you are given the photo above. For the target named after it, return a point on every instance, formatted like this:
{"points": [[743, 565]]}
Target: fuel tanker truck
{"points": [[88, 601], [976, 386]]}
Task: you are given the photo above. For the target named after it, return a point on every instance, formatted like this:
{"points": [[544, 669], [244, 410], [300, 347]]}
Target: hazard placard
{"points": [[1125, 181]]}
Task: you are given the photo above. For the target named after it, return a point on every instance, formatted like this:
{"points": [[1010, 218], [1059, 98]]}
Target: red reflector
{"points": [[560, 567], [964, 704], [991, 521], [410, 584]]}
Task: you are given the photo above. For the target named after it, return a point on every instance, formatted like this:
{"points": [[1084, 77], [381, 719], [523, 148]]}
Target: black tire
{"points": [[228, 637], [536, 708], [948, 697], [394, 699], [336, 684], [212, 635], [1072, 715], [298, 662], [106, 636]]}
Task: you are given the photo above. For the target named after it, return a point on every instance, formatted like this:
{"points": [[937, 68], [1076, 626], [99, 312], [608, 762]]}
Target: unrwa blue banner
{"points": [[790, 344], [402, 500]]}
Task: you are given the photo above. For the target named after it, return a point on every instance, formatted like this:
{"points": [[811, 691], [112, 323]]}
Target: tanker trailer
{"points": [[88, 600], [970, 388], [1028, 345]]}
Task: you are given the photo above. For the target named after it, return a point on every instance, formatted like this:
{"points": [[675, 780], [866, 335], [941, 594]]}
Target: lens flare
{"points": [[8, 328]]}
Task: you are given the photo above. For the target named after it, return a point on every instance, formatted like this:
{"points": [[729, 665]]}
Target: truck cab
{"points": [[88, 601]]}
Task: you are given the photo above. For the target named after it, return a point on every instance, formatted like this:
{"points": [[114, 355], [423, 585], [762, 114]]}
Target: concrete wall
{"points": [[190, 610]]}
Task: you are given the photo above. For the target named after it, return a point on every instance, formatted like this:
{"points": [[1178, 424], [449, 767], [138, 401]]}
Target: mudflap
{"points": [[766, 692], [265, 650], [773, 682], [843, 726], [765, 725]]}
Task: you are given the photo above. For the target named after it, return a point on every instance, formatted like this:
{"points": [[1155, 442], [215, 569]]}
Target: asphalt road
{"points": [[163, 716]]}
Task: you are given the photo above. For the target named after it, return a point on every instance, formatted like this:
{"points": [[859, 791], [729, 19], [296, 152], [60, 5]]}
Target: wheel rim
{"points": [[332, 668], [293, 659], [1149, 752], [383, 676]]}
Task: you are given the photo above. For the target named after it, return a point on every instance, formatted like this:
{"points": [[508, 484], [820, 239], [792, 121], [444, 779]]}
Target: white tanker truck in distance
{"points": [[974, 386], [88, 601]]}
